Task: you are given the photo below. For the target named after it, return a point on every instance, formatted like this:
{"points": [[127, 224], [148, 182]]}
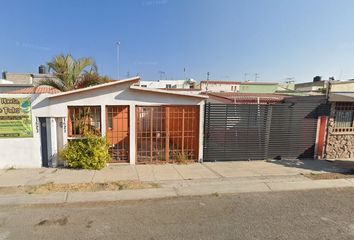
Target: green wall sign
{"points": [[15, 118]]}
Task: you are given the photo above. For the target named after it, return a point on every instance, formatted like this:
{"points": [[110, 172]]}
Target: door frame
{"points": [[197, 133], [128, 131], [44, 141]]}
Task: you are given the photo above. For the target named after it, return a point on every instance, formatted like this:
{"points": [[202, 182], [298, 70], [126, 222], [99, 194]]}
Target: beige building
{"points": [[15, 81], [340, 128]]}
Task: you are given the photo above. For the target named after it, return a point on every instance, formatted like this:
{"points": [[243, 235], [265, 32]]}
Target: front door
{"points": [[44, 146], [117, 131]]}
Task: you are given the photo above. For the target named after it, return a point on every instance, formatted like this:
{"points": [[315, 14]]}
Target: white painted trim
{"points": [[103, 120], [52, 141], [201, 131], [132, 138], [95, 87]]}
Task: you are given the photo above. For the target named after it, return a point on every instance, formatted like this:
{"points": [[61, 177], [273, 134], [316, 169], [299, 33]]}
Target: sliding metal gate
{"points": [[241, 132]]}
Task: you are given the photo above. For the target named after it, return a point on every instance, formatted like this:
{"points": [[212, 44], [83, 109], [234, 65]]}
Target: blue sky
{"points": [[277, 39]]}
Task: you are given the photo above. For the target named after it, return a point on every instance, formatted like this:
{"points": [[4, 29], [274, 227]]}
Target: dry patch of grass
{"points": [[322, 176], [78, 187]]}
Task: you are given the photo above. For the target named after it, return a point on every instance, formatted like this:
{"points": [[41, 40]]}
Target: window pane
{"points": [[84, 119], [344, 119]]}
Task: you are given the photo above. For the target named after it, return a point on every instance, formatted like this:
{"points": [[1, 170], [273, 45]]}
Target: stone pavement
{"points": [[176, 180]]}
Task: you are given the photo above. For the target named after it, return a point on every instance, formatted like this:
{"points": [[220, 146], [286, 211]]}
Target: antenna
{"points": [[118, 56], [162, 73], [256, 77], [290, 79], [341, 74]]}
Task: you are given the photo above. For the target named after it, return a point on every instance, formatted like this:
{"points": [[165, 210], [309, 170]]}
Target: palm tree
{"points": [[70, 73], [90, 79]]}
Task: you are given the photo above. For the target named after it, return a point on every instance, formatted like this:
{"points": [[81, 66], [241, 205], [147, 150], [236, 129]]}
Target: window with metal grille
{"points": [[167, 133], [84, 118], [343, 118]]}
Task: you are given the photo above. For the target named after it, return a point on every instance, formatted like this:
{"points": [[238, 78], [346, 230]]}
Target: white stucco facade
{"points": [[219, 86], [26, 152], [23, 152], [160, 84]]}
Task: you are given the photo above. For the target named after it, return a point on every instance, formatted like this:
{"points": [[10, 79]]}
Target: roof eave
{"points": [[168, 92], [117, 82]]}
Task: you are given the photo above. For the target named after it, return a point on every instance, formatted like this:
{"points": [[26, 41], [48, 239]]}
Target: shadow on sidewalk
{"points": [[317, 165]]}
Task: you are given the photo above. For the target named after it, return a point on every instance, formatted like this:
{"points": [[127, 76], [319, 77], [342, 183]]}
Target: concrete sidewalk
{"points": [[167, 172], [175, 180]]}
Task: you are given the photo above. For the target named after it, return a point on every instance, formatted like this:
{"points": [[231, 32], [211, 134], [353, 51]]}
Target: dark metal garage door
{"points": [[242, 132]]}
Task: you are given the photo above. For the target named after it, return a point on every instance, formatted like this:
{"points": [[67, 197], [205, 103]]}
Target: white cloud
{"points": [[149, 3], [32, 46]]}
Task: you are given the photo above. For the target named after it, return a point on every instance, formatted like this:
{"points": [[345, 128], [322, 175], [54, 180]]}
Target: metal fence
{"points": [[242, 132]]}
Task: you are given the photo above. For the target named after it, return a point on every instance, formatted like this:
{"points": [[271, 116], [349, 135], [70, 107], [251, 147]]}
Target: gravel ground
{"points": [[319, 214], [320, 176]]}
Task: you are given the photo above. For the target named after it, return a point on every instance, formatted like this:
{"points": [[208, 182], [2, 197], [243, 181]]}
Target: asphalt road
{"points": [[319, 214]]}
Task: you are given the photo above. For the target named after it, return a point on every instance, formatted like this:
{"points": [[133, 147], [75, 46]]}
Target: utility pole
{"points": [[118, 58], [207, 85]]}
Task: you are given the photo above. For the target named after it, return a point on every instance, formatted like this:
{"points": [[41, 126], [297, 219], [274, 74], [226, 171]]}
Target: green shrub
{"points": [[90, 152]]}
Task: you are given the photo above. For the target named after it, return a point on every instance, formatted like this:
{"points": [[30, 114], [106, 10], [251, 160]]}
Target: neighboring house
{"points": [[167, 84], [245, 98], [312, 88], [10, 82], [286, 87], [42, 89], [16, 81], [316, 87], [341, 86], [18, 78], [258, 87], [134, 119], [340, 130], [6, 86], [219, 86]]}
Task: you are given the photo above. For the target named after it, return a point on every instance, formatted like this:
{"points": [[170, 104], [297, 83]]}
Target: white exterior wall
{"points": [[220, 87], [201, 131], [26, 152], [342, 87], [23, 152], [123, 95]]}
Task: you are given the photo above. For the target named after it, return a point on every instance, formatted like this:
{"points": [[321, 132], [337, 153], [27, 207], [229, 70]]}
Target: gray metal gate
{"points": [[241, 132]]}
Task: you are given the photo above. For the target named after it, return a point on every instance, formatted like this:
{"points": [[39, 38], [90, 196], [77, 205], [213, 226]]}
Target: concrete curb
{"points": [[174, 190]]}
